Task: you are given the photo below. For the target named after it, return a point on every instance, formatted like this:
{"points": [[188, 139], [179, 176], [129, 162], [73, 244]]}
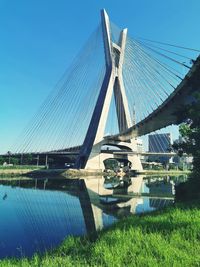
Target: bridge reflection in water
{"points": [[38, 214]]}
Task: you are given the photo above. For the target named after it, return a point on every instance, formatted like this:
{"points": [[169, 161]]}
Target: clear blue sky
{"points": [[39, 38]]}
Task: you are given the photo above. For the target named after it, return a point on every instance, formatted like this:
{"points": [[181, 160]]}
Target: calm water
{"points": [[39, 214]]}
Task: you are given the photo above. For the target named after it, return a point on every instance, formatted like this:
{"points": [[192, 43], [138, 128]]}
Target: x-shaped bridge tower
{"points": [[90, 156]]}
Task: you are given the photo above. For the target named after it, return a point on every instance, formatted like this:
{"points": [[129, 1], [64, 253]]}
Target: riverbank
{"points": [[163, 238], [63, 173], [164, 172], [16, 171], [41, 172]]}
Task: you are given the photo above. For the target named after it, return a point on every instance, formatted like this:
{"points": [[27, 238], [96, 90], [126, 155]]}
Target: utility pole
{"points": [[38, 158], [46, 161]]}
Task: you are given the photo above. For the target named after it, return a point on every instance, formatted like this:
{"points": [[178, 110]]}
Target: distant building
{"points": [[138, 147], [139, 144], [160, 143]]}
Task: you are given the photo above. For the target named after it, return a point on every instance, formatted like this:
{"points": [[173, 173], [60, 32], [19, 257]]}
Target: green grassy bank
{"points": [[164, 238], [164, 172], [17, 170], [41, 172]]}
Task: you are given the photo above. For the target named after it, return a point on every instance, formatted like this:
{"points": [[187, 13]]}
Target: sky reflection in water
{"points": [[38, 215]]}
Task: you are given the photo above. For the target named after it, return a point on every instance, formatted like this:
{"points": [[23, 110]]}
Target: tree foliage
{"points": [[190, 144]]}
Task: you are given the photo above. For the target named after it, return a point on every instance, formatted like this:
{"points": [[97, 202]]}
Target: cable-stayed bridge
{"points": [[116, 89]]}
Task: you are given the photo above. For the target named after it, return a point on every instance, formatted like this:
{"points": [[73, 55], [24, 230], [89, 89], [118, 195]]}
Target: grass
{"points": [[165, 172], [164, 238], [42, 172], [17, 170], [20, 167]]}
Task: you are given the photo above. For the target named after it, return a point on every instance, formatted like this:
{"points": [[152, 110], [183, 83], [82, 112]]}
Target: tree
{"points": [[190, 144], [27, 159], [14, 161], [2, 160]]}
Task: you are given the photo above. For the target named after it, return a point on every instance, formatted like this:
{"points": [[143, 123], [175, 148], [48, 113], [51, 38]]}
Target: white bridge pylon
{"points": [[90, 154]]}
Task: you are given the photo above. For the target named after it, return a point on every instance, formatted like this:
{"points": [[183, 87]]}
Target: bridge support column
{"points": [[96, 161], [97, 158], [136, 162]]}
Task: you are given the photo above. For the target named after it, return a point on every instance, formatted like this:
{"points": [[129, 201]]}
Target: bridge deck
{"points": [[165, 114]]}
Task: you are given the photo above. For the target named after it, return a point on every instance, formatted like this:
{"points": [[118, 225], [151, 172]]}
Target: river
{"points": [[39, 214]]}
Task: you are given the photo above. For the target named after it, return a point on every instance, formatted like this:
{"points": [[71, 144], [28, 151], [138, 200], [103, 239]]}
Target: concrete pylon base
{"points": [[136, 162], [96, 161], [97, 158]]}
